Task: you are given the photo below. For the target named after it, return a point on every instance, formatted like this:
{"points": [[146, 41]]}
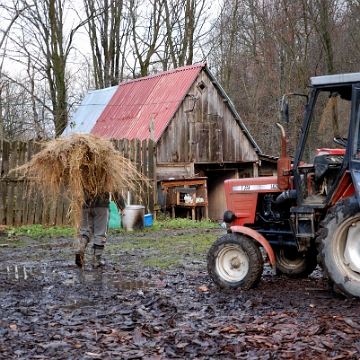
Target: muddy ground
{"points": [[50, 309]]}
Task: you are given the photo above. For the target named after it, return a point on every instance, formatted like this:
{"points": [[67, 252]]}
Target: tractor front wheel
{"points": [[339, 247], [235, 261]]}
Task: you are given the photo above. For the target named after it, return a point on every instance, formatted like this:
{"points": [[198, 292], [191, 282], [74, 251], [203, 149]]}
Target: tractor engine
{"points": [[258, 204], [269, 214]]}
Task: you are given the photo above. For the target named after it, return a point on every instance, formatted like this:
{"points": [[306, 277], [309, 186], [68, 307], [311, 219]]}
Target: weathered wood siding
{"points": [[20, 207], [204, 130], [169, 170]]}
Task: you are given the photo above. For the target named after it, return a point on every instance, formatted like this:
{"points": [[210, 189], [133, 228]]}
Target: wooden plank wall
{"points": [[20, 207]]}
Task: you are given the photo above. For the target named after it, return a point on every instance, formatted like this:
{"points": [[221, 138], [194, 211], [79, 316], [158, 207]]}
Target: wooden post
{"points": [[255, 169], [152, 167]]}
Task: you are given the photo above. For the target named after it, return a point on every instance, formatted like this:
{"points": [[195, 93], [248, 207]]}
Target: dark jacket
{"points": [[103, 200]]}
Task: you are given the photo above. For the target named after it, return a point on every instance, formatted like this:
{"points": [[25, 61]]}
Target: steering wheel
{"points": [[340, 141]]}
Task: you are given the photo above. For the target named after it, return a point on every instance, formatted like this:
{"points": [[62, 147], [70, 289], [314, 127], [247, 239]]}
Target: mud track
{"points": [[50, 309]]}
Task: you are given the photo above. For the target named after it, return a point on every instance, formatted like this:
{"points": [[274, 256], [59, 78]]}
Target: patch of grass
{"points": [[161, 263], [181, 223], [40, 231], [165, 252], [13, 243], [174, 224]]}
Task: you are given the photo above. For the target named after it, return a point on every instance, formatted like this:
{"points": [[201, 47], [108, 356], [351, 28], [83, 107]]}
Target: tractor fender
{"points": [[259, 238]]}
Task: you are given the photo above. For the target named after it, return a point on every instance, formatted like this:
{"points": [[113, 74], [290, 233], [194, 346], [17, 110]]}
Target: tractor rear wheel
{"points": [[339, 247], [235, 261], [295, 264]]}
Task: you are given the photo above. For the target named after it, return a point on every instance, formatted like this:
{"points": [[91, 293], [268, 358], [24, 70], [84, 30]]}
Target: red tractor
{"points": [[308, 213]]}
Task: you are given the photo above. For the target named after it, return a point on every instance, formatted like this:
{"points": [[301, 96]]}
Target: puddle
{"points": [[133, 285], [22, 272], [51, 246], [72, 277], [77, 304]]}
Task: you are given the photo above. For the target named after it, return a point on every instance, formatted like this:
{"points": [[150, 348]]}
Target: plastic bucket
{"points": [[115, 218], [133, 217], [148, 220]]}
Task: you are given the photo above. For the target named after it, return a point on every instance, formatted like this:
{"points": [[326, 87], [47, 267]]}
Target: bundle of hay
{"points": [[81, 164]]}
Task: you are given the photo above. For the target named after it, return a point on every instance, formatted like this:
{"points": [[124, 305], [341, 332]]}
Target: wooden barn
{"points": [[200, 138]]}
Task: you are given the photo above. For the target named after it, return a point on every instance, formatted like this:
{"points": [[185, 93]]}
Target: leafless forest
{"points": [[53, 51]]}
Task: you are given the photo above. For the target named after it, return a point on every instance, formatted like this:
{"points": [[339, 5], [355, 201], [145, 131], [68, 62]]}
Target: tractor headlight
{"points": [[229, 216]]}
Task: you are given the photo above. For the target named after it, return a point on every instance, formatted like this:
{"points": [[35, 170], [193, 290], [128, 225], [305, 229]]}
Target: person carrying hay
{"points": [[86, 169], [94, 222]]}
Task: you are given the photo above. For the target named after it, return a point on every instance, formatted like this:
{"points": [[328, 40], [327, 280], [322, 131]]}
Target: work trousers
{"points": [[94, 222]]}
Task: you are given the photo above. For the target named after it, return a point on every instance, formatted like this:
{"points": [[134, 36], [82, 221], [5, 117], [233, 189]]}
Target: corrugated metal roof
{"points": [[89, 111], [135, 102]]}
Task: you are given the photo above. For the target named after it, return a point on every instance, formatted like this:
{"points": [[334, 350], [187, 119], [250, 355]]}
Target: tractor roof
{"points": [[335, 79]]}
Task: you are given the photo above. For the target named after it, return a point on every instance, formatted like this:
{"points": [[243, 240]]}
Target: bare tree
{"points": [[18, 111], [13, 12], [186, 25], [347, 41], [41, 40], [146, 24], [266, 48], [323, 19], [108, 30]]}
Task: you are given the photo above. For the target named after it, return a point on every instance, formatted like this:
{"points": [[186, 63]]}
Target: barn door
{"points": [[209, 141]]}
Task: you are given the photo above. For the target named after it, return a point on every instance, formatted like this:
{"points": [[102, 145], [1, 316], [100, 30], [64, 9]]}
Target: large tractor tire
{"points": [[295, 264], [235, 261], [339, 247]]}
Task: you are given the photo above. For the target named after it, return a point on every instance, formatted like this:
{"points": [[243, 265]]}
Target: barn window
{"points": [[201, 86]]}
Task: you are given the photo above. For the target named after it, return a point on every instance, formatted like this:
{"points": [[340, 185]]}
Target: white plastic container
{"points": [[133, 217]]}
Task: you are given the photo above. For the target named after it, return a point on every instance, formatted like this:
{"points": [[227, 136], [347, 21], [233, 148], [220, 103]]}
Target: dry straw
{"points": [[81, 164]]}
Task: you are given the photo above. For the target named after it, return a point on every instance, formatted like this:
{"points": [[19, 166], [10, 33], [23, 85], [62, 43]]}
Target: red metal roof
{"points": [[128, 113]]}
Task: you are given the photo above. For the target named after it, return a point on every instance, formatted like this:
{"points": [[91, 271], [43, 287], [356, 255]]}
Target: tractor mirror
{"points": [[286, 112], [285, 105], [285, 108]]}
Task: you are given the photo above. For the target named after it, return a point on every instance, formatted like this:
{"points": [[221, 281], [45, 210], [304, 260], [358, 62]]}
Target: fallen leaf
{"points": [[138, 338], [92, 354], [203, 288]]}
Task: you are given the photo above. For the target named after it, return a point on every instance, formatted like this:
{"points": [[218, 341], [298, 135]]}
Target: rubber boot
{"points": [[97, 261], [80, 252]]}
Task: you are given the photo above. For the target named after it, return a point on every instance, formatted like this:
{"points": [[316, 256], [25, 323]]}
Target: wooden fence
{"points": [[19, 207]]}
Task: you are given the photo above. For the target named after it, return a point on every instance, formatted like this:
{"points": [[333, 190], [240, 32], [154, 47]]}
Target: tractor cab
{"points": [[321, 166]]}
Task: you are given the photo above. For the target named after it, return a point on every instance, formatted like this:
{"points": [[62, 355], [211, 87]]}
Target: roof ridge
{"points": [[165, 73]]}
